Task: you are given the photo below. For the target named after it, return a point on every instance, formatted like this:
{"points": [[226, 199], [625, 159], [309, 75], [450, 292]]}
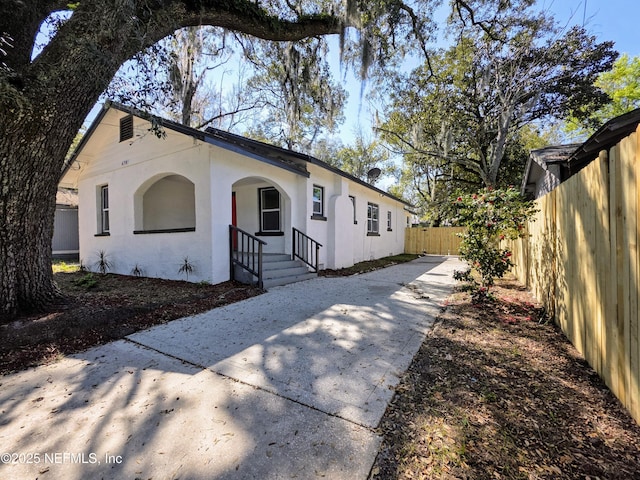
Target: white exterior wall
{"points": [[128, 168], [131, 167], [369, 247], [234, 172], [345, 242]]}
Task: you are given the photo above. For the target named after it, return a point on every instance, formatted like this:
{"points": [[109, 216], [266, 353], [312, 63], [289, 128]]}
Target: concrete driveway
{"points": [[289, 384]]}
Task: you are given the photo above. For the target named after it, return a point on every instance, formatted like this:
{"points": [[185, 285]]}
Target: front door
{"points": [[234, 219]]}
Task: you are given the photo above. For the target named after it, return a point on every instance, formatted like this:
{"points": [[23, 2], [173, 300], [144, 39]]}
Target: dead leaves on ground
{"points": [[111, 308], [496, 392]]}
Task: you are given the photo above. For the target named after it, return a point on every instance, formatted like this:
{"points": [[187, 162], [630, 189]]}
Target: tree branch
{"points": [[463, 5], [248, 17], [226, 114]]}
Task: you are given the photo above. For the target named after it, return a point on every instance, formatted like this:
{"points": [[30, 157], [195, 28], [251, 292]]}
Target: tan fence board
{"points": [[433, 240], [581, 261], [629, 146]]}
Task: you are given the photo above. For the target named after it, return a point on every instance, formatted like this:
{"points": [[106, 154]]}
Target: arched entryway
{"points": [[262, 208]]}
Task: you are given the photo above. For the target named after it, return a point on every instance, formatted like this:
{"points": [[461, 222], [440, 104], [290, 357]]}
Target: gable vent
{"points": [[126, 128]]}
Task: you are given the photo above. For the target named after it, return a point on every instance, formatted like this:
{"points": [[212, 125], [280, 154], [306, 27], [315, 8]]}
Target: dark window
{"points": [[126, 128], [104, 209], [353, 202], [269, 210]]}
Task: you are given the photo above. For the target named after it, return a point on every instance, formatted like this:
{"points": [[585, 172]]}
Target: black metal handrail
{"points": [[305, 248], [245, 250]]}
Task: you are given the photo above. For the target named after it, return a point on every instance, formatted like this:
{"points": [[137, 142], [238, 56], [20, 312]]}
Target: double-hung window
{"points": [[373, 219], [104, 209], [269, 210], [318, 203]]}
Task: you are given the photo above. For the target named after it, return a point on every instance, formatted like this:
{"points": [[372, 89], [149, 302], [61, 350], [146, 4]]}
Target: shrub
{"points": [[87, 281], [187, 267], [490, 216], [103, 264], [137, 271]]}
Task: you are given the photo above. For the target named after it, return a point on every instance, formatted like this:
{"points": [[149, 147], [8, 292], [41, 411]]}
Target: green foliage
{"points": [[87, 281], [358, 159], [490, 216], [622, 84], [64, 267]]}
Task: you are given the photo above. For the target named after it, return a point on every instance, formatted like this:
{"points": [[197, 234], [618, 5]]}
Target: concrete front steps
{"points": [[281, 270], [278, 269]]}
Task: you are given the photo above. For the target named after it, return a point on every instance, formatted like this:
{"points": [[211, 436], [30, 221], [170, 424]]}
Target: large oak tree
{"points": [[459, 115], [44, 100]]}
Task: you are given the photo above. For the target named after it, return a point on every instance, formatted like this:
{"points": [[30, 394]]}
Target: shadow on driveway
{"points": [[287, 384]]}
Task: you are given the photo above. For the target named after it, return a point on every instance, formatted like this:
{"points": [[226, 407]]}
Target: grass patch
{"points": [[60, 266]]}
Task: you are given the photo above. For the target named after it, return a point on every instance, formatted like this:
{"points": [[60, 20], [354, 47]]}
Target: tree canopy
{"points": [[622, 84], [457, 115], [44, 99]]}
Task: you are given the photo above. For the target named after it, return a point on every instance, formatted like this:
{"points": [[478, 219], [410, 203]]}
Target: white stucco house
{"points": [[215, 199]]}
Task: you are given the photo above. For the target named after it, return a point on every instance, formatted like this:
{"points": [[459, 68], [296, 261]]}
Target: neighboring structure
{"points": [[157, 204], [65, 243], [546, 169], [550, 166], [605, 138]]}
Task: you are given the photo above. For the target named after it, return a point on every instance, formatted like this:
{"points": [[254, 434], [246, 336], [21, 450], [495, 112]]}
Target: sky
{"points": [[616, 20]]}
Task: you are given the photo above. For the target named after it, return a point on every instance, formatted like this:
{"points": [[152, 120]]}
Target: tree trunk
{"points": [[28, 185]]}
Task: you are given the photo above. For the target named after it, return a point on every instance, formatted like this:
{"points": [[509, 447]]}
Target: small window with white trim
{"points": [[269, 210], [373, 219], [318, 203], [103, 227], [389, 229]]}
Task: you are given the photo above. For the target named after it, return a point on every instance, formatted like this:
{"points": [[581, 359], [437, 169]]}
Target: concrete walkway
{"points": [[289, 384]]}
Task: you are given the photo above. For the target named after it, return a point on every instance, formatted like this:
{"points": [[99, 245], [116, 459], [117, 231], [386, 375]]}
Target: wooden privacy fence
{"points": [[433, 240], [581, 261]]}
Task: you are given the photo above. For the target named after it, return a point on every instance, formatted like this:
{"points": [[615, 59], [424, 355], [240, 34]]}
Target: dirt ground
{"points": [[495, 392], [97, 309]]}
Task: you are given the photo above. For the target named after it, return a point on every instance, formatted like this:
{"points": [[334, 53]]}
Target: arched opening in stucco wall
{"points": [[166, 203]]}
